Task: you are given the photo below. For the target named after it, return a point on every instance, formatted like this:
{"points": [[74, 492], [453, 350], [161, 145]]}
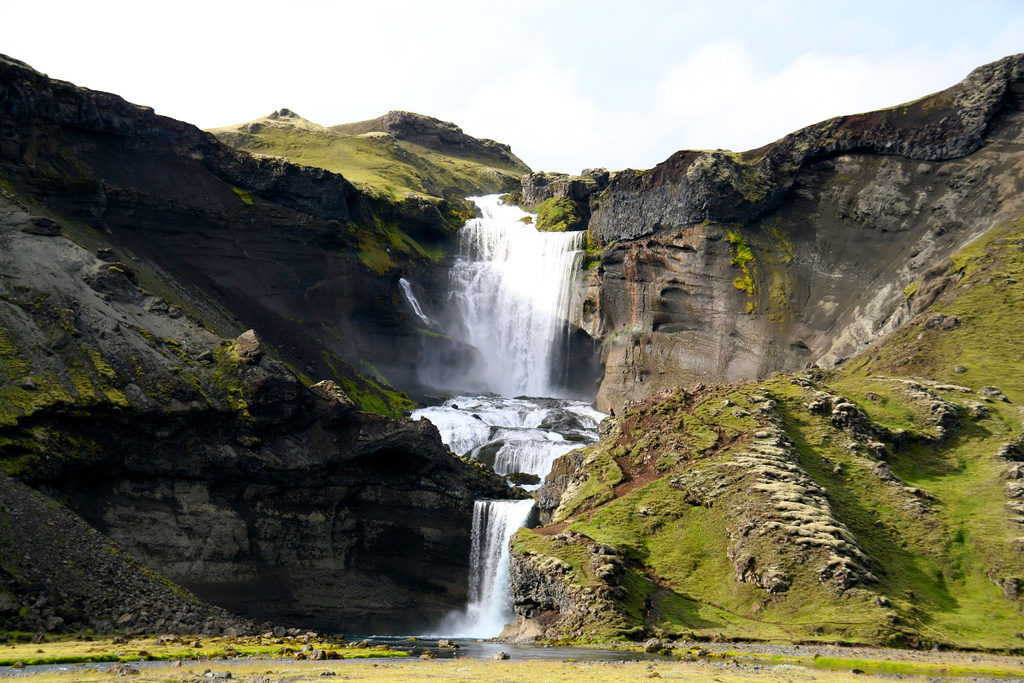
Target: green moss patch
{"points": [[743, 258], [559, 214]]}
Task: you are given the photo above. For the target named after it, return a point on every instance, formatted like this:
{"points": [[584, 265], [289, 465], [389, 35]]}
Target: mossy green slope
{"points": [[878, 503], [374, 159]]}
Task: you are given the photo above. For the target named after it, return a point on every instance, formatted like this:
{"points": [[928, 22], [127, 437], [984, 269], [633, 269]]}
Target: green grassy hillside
{"points": [[880, 503], [395, 164]]}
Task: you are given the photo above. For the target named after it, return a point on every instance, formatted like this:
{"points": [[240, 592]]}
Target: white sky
{"points": [[568, 84]]}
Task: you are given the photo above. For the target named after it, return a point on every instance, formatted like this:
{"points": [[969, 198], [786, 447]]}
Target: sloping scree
{"points": [[66, 576]]}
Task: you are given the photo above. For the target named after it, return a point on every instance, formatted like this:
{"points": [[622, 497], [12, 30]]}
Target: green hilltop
{"points": [[399, 154]]}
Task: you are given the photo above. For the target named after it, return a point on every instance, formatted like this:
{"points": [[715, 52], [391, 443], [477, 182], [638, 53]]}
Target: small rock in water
{"points": [[654, 645], [500, 655], [444, 642]]}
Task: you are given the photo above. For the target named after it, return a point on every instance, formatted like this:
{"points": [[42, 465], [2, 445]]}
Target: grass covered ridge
{"points": [[373, 159], [879, 503]]}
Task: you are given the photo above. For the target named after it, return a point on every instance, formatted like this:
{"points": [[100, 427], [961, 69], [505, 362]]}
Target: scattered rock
{"points": [[123, 670], [993, 392], [500, 656], [39, 225], [882, 471], [329, 390], [959, 369], [653, 645], [445, 643], [249, 346]]}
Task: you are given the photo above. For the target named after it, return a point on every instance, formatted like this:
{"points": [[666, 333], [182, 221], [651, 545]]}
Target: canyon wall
{"points": [[718, 267]]}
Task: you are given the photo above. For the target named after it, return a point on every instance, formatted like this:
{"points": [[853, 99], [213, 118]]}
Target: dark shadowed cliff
{"points": [[134, 249]]}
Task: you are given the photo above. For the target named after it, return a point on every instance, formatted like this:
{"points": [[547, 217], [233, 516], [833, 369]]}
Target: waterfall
{"points": [[511, 285], [411, 298], [513, 434], [490, 605]]}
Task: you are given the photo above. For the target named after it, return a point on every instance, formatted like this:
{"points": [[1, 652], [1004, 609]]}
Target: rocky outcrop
{"points": [[541, 186], [720, 267], [724, 187], [58, 574], [298, 253], [553, 600], [440, 136], [210, 462]]}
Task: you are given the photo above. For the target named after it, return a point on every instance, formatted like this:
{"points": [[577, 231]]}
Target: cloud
{"points": [[542, 108], [721, 97]]}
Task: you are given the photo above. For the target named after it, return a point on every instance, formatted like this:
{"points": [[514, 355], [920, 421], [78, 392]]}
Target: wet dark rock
{"points": [[42, 226], [522, 478]]}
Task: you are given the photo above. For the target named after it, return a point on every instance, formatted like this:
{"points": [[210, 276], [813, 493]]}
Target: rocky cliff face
{"points": [[61, 575], [294, 251], [875, 502], [205, 458], [721, 266]]}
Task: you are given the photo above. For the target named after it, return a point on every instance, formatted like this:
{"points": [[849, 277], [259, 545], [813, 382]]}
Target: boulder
{"points": [[329, 390], [653, 645], [248, 346]]}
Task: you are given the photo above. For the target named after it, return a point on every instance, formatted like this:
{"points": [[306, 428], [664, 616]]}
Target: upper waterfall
{"points": [[511, 285]]}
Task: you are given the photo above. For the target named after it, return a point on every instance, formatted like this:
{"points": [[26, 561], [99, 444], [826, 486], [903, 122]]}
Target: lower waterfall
{"points": [[510, 287], [490, 604]]}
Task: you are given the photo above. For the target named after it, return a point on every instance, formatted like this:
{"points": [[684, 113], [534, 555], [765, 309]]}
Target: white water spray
{"points": [[511, 285]]}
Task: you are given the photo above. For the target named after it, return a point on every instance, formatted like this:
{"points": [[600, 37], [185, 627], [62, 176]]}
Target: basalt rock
{"points": [[724, 187], [292, 251], [723, 267], [61, 575], [542, 185], [210, 462]]}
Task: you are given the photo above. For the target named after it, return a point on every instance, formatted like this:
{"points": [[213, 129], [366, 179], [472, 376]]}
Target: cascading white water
{"points": [[511, 285], [490, 604], [514, 434], [411, 298]]}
